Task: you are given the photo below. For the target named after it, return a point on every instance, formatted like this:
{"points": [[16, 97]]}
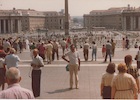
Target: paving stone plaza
{"points": [[55, 78]]}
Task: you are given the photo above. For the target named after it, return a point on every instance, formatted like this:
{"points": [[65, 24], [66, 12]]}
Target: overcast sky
{"points": [[76, 7]]}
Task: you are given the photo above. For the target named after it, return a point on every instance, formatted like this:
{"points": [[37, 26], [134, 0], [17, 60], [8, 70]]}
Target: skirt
{"points": [[107, 92]]}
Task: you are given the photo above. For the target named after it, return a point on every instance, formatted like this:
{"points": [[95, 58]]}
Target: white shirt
{"points": [[94, 46], [73, 57], [63, 43]]}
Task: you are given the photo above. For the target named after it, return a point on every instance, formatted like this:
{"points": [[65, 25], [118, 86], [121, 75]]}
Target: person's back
{"points": [[16, 92], [12, 59], [108, 46]]}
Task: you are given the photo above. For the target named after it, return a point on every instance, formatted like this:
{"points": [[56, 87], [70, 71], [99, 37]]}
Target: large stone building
{"points": [[21, 20], [122, 18]]}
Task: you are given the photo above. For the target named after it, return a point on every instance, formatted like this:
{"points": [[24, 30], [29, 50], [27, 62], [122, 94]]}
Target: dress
{"points": [[123, 83], [106, 81]]}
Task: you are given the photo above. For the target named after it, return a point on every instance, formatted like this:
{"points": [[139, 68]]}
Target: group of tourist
{"points": [[124, 85]]}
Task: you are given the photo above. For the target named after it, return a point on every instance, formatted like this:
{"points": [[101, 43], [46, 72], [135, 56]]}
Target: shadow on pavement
{"points": [[59, 91]]}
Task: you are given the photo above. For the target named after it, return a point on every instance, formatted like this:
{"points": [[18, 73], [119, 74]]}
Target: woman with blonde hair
{"points": [[123, 85]]}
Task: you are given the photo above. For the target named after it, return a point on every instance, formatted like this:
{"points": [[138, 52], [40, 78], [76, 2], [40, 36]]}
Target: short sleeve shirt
{"points": [[73, 57]]}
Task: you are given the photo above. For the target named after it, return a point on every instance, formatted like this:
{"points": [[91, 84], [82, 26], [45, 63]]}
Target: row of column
{"points": [[132, 23], [10, 26]]}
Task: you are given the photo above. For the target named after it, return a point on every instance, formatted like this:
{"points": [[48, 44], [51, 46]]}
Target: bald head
{"points": [[35, 52], [13, 75]]}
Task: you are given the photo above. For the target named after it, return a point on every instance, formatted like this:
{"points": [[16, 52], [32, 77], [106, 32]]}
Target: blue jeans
{"points": [[94, 53]]}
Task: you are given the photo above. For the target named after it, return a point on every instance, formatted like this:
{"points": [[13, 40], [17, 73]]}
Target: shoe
{"points": [[77, 87], [70, 88]]}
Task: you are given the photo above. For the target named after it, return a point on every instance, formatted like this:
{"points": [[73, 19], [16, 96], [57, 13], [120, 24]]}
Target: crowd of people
{"points": [[124, 85]]}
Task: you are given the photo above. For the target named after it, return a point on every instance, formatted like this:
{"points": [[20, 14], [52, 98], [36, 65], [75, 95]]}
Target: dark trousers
{"points": [[94, 53], [138, 64], [53, 55], [86, 54], [108, 52], [36, 77]]}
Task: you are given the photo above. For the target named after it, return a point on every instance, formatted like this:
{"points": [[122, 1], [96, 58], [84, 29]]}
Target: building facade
{"points": [[29, 20], [123, 18]]}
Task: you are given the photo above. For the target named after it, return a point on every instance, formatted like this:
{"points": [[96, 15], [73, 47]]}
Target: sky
{"points": [[76, 7]]}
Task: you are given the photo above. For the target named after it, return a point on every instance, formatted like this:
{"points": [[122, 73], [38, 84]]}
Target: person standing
{"points": [[2, 73], [138, 59], [14, 90], [113, 47], [124, 85], [86, 51], [132, 70], [103, 51], [94, 50], [49, 50], [12, 60], [20, 46], [36, 64], [108, 51], [106, 81], [41, 50], [63, 45], [123, 43], [55, 50], [74, 65]]}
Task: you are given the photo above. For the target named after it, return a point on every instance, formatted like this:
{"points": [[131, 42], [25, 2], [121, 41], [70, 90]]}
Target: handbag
{"points": [[67, 68]]}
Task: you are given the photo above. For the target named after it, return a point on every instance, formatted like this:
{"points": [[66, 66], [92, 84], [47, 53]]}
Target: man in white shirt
{"points": [[63, 45], [74, 65]]}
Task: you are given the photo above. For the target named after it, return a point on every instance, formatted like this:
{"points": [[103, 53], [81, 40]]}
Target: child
{"points": [[103, 50]]}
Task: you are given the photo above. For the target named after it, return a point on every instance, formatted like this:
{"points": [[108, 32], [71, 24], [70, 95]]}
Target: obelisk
{"points": [[66, 18]]}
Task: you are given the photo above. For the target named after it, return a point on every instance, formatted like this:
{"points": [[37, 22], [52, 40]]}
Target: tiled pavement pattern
{"points": [[55, 79]]}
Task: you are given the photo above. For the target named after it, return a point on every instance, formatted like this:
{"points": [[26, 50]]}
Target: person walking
{"points": [[124, 85], [36, 64], [108, 51], [74, 65], [86, 50], [12, 60], [106, 81], [14, 90], [94, 51]]}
